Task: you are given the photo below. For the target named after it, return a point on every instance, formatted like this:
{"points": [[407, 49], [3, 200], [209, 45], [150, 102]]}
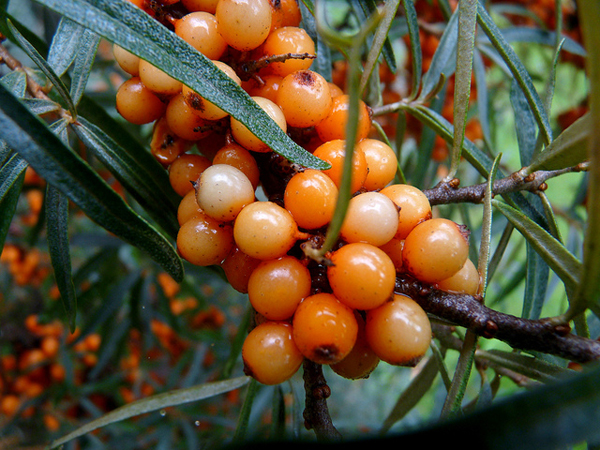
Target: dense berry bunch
{"points": [[340, 310]]}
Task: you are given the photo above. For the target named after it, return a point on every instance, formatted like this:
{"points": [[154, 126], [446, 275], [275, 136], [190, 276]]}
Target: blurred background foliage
{"points": [[137, 331]]}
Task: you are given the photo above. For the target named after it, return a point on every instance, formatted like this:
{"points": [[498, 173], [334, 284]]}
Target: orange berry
{"points": [[268, 88], [276, 287], [324, 328], [203, 241], [269, 353], [238, 267], [414, 206], [237, 156], [334, 152], [465, 281], [286, 13], [200, 30], [393, 249], [127, 61], [334, 125], [246, 138], [244, 24], [138, 104], [158, 81], [286, 40], [361, 276], [310, 197], [398, 331], [9, 404], [183, 122], [51, 423], [50, 346], [362, 360], [435, 250], [185, 170], [372, 218], [165, 145], [382, 163], [188, 207], [209, 6], [304, 98]]}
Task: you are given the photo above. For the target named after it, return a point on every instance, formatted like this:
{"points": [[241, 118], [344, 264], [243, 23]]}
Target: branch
{"points": [[524, 334]]}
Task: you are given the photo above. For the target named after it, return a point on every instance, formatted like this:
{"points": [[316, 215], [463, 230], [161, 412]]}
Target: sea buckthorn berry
{"points": [[325, 329], [138, 104], [286, 13], [265, 230], [246, 138], [183, 122], [222, 191], [362, 360], [158, 81], [334, 125], [334, 153], [269, 353], [310, 197], [382, 162], [304, 98], [398, 331], [276, 287], [185, 170], [202, 107], [209, 6], [238, 267], [465, 281], [335, 90], [267, 88], [200, 30], [165, 145], [127, 61], [237, 156], [244, 24], [288, 40], [414, 206], [393, 249], [361, 276], [435, 250], [203, 241], [372, 218], [188, 207]]}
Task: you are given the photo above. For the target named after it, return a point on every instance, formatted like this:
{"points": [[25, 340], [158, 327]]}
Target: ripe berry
{"points": [[324, 329], [203, 241], [238, 267], [158, 81], [310, 197], [209, 6], [334, 125], [361, 276], [127, 61], [188, 207], [362, 360], [398, 331], [185, 170], [269, 353], [183, 122], [414, 206], [286, 13], [277, 286], [304, 98], [382, 162], [265, 230], [465, 281], [267, 87], [199, 29], [244, 24], [138, 104], [371, 217], [334, 153], [237, 156], [203, 108], [288, 40], [165, 145], [222, 191], [393, 249], [246, 138], [435, 250]]}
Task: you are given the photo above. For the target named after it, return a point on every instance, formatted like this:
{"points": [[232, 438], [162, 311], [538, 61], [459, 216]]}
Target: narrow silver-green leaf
{"points": [[57, 230], [482, 95], [16, 81], [63, 48], [415, 45], [467, 26], [10, 171], [568, 149], [26, 134], [155, 403], [41, 106], [483, 259], [529, 366], [8, 206], [540, 36], [525, 124], [518, 70], [121, 22], [560, 260], [86, 53]]}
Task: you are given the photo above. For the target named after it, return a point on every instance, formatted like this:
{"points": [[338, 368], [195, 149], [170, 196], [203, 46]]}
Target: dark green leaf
{"points": [[536, 284], [86, 53], [138, 182], [10, 171], [482, 95], [57, 230], [59, 166], [529, 366], [63, 49], [518, 70], [415, 45], [129, 27], [539, 36], [8, 206], [524, 124]]}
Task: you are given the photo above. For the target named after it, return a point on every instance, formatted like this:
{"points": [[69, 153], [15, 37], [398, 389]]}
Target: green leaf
{"points": [[482, 95], [518, 70], [568, 149], [524, 124], [415, 45], [64, 45], [10, 171], [137, 181], [126, 25], [44, 67], [560, 260], [57, 230], [467, 26], [155, 403], [539, 36], [16, 81], [40, 106], [86, 53], [58, 165], [8, 205], [529, 366]]}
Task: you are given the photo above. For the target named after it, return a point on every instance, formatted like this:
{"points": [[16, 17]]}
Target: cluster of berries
{"points": [[340, 310]]}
